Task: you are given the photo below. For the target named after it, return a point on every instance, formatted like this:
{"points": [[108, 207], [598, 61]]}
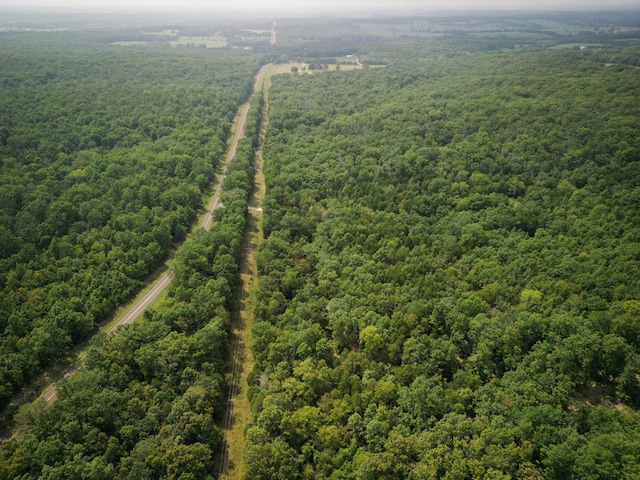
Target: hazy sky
{"points": [[212, 5]]}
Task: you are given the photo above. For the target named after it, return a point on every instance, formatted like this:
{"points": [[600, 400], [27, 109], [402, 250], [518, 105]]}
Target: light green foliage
{"points": [[104, 157], [463, 231], [147, 401]]}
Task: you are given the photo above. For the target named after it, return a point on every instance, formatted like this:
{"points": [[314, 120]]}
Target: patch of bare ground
{"points": [[600, 396]]}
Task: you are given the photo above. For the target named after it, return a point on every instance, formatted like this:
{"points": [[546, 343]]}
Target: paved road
{"points": [[144, 302], [134, 312], [50, 395], [215, 201]]}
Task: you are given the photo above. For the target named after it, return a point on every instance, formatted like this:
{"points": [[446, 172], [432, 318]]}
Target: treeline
{"points": [[628, 56], [146, 402], [310, 38], [449, 284], [104, 155], [258, 39]]}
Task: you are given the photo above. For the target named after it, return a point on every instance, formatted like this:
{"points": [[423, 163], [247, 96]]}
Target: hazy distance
{"points": [[313, 5]]}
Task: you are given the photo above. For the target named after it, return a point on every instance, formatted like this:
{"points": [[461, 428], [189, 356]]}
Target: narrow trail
{"points": [[238, 411]]}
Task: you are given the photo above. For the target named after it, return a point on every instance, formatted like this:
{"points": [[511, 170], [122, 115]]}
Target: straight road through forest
{"points": [[215, 201], [141, 305], [144, 302]]}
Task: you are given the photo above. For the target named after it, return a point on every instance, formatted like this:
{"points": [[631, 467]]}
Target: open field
{"points": [[575, 45], [133, 43], [214, 41], [303, 68], [171, 33], [529, 36]]}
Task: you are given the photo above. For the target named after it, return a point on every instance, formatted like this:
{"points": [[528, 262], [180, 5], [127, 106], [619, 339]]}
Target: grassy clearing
{"points": [[241, 405], [213, 41], [277, 69], [162, 33], [303, 69], [249, 280], [564, 46], [134, 43], [528, 36]]}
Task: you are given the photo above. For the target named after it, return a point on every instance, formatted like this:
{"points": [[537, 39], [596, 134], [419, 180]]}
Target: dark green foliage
{"points": [[104, 155], [449, 283], [147, 401]]}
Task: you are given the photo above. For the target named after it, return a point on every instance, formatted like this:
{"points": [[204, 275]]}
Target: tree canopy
{"points": [[448, 283], [147, 400], [450, 272], [104, 155]]}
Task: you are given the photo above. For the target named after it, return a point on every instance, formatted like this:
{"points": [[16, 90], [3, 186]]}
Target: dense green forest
{"points": [[450, 276], [449, 284], [146, 402], [104, 155]]}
